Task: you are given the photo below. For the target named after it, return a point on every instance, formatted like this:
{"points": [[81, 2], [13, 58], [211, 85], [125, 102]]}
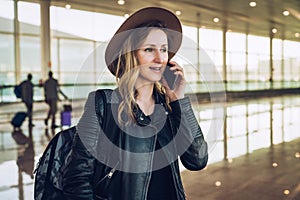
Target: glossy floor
{"points": [[249, 127]]}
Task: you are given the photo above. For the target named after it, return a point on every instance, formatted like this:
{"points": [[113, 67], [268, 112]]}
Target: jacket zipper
{"points": [[109, 174], [151, 162]]}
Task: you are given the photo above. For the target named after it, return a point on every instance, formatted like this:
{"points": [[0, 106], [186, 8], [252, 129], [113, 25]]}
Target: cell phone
{"points": [[170, 76]]}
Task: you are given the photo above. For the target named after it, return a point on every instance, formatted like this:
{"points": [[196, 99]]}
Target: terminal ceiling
{"points": [[234, 15]]}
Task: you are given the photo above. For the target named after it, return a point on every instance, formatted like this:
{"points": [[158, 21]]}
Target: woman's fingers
{"points": [[178, 91]]}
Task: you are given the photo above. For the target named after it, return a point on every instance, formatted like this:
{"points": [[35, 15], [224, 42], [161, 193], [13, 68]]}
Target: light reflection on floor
{"points": [[247, 124]]}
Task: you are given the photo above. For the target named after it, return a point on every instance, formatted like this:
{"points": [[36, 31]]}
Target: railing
{"points": [[80, 91]]}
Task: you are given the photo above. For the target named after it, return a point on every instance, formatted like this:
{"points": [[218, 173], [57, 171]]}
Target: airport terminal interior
{"points": [[241, 61]]}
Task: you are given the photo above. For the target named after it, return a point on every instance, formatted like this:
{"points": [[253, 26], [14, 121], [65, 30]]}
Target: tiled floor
{"points": [[264, 174]]}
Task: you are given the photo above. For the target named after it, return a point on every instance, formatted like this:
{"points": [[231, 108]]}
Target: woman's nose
{"points": [[159, 56]]}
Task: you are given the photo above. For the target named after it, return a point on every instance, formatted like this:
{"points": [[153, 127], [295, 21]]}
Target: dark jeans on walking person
{"points": [[51, 112], [29, 112]]}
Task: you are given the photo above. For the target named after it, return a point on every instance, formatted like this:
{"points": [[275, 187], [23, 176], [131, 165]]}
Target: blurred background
{"points": [[242, 64]]}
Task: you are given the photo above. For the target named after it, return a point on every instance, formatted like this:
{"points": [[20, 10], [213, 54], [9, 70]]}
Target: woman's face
{"points": [[152, 57]]}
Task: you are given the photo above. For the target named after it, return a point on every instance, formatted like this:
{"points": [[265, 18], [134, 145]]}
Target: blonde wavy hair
{"points": [[127, 72]]}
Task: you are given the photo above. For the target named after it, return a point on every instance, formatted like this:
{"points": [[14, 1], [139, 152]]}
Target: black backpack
{"points": [[48, 172], [18, 91]]}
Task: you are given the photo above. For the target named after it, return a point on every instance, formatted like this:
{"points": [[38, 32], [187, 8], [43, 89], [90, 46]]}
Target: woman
{"points": [[131, 150]]}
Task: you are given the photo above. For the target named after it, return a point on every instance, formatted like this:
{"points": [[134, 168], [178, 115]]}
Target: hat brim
{"points": [[143, 16]]}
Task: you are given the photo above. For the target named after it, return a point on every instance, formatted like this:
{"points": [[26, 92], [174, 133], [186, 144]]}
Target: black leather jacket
{"points": [[98, 170]]}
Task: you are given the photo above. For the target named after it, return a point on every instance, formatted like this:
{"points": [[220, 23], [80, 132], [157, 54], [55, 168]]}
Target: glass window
{"points": [[236, 56], [29, 17], [83, 24], [30, 56], [54, 54], [7, 15], [6, 52], [73, 53], [291, 60], [258, 58], [187, 56], [211, 42], [211, 56], [190, 32], [258, 45], [211, 39], [277, 59]]}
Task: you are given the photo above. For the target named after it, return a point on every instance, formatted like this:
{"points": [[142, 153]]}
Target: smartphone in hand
{"points": [[170, 76]]}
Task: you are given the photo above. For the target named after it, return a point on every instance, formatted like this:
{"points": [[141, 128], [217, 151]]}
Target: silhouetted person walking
{"points": [[27, 97], [51, 89]]}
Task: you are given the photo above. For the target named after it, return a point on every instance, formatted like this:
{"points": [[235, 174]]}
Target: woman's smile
{"points": [[156, 69]]}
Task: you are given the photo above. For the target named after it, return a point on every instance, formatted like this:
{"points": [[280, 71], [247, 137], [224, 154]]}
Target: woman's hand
{"points": [[179, 86]]}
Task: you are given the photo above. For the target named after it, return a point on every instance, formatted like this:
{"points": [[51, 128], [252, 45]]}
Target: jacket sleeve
{"points": [[190, 141], [78, 175]]}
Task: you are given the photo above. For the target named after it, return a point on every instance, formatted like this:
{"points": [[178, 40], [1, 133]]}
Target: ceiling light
{"points": [[274, 30], [121, 2], [275, 164], [68, 6], [252, 4], [218, 183], [178, 12], [216, 19], [126, 15], [286, 13], [286, 192], [297, 155]]}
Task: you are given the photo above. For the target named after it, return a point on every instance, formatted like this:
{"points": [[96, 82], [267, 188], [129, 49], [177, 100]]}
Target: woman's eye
{"points": [[164, 49], [149, 49]]}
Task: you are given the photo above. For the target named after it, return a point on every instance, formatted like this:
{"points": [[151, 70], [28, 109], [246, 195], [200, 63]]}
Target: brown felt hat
{"points": [[138, 18]]}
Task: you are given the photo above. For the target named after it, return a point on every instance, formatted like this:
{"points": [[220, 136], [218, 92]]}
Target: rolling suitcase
{"points": [[66, 115], [18, 119]]}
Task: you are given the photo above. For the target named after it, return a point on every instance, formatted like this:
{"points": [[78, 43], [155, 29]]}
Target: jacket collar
{"points": [[140, 117]]}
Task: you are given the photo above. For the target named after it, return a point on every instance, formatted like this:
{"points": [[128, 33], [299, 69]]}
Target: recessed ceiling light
{"points": [[252, 4], [126, 15], [274, 30], [121, 2], [286, 192], [218, 183], [178, 12], [297, 35], [216, 19], [286, 13], [68, 6]]}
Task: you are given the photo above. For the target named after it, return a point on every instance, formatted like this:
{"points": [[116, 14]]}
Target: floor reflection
{"points": [[25, 157], [49, 136], [232, 129], [238, 128]]}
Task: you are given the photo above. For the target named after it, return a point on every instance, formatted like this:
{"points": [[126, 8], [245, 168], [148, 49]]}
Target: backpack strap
{"points": [[102, 97]]}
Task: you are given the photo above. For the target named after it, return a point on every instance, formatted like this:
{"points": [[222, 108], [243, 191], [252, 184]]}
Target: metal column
{"points": [[17, 44], [45, 38]]}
